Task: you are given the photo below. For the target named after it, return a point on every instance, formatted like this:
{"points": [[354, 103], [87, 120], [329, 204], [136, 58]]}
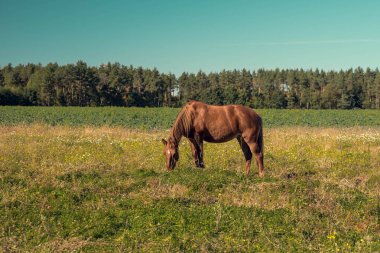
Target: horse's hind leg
{"points": [[247, 153], [256, 148]]}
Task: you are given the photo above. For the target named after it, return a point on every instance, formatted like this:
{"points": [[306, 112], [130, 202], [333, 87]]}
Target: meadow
{"points": [[93, 179]]}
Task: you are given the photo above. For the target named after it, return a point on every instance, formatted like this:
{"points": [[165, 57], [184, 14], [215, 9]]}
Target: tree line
{"points": [[113, 84]]}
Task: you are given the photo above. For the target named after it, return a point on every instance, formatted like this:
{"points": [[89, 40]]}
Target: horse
{"points": [[200, 122]]}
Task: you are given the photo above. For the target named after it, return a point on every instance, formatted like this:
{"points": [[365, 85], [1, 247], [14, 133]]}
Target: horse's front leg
{"points": [[199, 141], [194, 151]]}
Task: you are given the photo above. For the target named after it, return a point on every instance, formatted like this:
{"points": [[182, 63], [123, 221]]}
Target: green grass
{"points": [[162, 118], [105, 189]]}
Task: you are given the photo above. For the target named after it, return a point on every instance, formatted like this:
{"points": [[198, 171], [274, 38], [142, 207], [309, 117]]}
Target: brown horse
{"points": [[201, 122]]}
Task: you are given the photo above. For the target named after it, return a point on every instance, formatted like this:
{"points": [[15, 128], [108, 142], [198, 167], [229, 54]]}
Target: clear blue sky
{"points": [[188, 35]]}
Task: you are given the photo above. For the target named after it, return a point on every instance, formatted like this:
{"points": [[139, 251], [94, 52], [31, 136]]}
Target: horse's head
{"points": [[170, 153]]}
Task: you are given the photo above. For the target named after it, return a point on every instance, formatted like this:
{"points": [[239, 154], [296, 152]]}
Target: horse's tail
{"points": [[260, 137], [260, 146]]}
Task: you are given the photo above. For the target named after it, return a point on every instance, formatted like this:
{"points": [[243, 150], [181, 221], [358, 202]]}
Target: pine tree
{"points": [[377, 90]]}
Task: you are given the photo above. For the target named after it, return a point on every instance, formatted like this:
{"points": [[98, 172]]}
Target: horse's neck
{"points": [[176, 135], [181, 126]]}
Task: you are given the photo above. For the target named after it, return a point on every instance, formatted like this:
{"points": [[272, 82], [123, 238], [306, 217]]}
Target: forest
{"points": [[114, 84]]}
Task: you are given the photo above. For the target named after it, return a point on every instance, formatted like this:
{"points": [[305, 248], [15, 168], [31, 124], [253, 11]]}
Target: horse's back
{"points": [[239, 113]]}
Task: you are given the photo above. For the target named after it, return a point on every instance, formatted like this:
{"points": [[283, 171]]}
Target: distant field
{"points": [[162, 118], [104, 189]]}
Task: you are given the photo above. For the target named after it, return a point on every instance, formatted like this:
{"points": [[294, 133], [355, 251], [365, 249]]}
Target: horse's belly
{"points": [[218, 138]]}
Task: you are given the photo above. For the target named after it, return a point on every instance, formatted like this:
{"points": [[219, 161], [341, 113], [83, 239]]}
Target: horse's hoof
{"points": [[199, 165]]}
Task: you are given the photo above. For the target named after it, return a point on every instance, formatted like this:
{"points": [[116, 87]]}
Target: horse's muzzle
{"points": [[171, 165]]}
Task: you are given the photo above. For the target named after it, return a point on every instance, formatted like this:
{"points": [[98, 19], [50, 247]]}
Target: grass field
{"points": [[88, 188]]}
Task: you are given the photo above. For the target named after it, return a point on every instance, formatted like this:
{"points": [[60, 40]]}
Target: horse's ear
{"points": [[164, 141]]}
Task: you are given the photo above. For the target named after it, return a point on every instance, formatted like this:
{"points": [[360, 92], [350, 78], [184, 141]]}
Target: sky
{"points": [[191, 35]]}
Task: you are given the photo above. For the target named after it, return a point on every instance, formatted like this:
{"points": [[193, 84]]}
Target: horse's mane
{"points": [[183, 123]]}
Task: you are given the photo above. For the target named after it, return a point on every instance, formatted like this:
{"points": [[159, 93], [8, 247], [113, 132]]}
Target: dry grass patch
{"points": [[263, 195]]}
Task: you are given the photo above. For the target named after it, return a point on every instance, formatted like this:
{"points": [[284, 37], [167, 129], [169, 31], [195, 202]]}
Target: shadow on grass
{"points": [[209, 179]]}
